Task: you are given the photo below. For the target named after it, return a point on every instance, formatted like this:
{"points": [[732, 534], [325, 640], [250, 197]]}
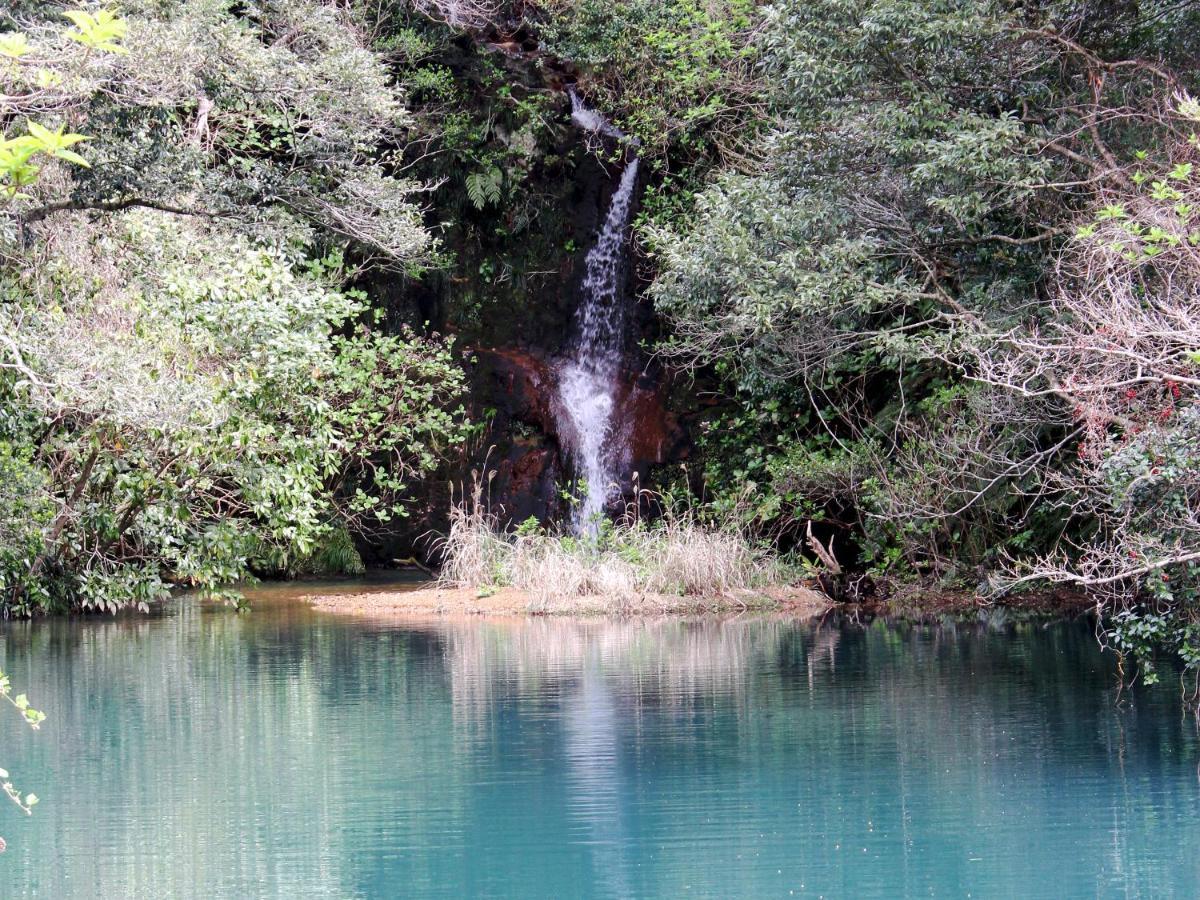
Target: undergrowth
{"points": [[632, 557]]}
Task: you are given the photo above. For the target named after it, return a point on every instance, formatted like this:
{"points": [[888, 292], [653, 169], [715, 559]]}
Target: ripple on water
{"points": [[287, 754]]}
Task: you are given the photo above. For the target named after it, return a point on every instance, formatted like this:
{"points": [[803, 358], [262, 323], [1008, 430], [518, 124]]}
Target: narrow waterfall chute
{"points": [[590, 120], [588, 378]]}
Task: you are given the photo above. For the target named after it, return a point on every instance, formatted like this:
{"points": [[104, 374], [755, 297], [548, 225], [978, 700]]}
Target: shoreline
{"points": [[911, 604], [917, 604], [507, 602]]}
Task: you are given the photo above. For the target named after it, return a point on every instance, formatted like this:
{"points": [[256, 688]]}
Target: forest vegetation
{"points": [[928, 272]]}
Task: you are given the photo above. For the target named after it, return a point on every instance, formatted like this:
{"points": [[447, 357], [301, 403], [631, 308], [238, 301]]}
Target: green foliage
{"points": [[18, 170], [233, 418], [826, 287], [483, 188], [26, 511], [1148, 483], [334, 553], [102, 31], [871, 299], [674, 73], [204, 110], [14, 44], [17, 167], [188, 389]]}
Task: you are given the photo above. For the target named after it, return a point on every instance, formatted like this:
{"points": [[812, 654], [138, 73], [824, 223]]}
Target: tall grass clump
{"points": [[474, 550], [673, 555]]}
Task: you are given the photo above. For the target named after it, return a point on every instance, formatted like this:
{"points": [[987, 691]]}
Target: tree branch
{"points": [[41, 212]]}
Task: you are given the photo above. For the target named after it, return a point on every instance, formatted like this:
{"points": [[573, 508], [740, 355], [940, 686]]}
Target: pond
{"points": [[204, 753]]}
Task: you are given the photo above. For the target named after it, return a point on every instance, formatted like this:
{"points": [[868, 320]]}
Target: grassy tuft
{"points": [[627, 560]]}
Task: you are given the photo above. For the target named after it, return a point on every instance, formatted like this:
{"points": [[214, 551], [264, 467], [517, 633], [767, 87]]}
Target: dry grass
{"points": [[627, 560]]}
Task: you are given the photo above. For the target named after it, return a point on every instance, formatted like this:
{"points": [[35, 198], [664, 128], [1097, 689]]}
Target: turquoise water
{"points": [[202, 753]]}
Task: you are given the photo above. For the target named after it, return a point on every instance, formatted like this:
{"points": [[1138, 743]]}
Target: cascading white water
{"points": [[587, 381], [590, 120]]}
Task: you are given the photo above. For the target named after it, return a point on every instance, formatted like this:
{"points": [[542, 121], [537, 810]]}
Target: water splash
{"points": [[590, 120], [588, 379]]}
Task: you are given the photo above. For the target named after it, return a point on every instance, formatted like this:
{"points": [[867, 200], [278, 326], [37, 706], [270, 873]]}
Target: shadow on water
{"points": [[285, 753]]}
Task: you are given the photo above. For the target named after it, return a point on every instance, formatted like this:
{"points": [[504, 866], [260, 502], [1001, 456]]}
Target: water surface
{"points": [[203, 753]]}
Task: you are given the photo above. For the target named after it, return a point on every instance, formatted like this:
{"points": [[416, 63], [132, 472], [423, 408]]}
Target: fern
{"points": [[483, 187], [335, 555]]}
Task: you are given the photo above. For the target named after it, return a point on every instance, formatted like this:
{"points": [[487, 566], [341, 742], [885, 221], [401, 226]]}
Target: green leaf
{"points": [[43, 134], [99, 32], [14, 44], [82, 20], [73, 157]]}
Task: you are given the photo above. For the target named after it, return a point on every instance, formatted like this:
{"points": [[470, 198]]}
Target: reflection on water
{"points": [[282, 753]]}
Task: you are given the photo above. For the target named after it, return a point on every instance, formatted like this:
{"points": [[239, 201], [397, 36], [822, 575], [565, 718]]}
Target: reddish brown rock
{"points": [[520, 383], [653, 432]]}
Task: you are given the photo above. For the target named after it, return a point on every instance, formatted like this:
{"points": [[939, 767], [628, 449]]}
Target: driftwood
{"points": [[824, 554]]}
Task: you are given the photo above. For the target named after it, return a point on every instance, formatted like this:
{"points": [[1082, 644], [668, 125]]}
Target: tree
{"points": [[929, 164], [189, 387], [1118, 351]]}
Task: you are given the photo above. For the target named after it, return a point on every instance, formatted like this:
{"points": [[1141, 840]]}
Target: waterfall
{"points": [[590, 120], [588, 378]]}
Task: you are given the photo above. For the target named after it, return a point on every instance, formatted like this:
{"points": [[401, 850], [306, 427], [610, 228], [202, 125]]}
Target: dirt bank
{"points": [[438, 601], [918, 603]]}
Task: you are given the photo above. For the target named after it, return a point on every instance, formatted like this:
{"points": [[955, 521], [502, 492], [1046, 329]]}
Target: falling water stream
{"points": [[589, 377]]}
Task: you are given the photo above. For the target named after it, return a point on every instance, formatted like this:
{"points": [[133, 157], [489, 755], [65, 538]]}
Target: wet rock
{"points": [[653, 432], [526, 482], [519, 384]]}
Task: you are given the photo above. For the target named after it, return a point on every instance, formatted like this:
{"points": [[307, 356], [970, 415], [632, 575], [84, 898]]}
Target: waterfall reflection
{"points": [[670, 662], [594, 775]]}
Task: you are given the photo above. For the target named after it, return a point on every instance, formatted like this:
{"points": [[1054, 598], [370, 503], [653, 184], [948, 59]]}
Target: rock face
{"points": [[520, 379], [526, 449], [512, 389], [655, 434]]}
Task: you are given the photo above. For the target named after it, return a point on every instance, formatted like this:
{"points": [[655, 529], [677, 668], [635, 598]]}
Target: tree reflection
{"points": [[283, 753]]}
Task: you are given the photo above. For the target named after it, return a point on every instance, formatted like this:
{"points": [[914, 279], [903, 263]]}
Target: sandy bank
{"points": [[437, 601]]}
